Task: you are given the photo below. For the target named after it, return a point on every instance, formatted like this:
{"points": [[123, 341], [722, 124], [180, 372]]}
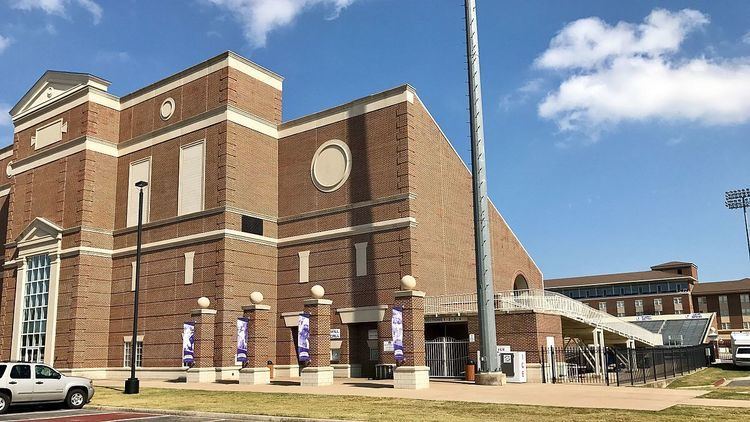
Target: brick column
{"points": [[412, 373], [203, 370], [258, 345], [318, 370]]}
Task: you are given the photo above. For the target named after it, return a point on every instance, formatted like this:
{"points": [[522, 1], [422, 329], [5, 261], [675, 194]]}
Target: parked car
{"points": [[25, 382]]}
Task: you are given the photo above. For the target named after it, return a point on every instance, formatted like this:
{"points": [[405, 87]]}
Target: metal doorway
{"points": [[447, 357]]}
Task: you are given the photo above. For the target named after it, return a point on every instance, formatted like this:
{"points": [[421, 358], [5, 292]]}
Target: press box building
{"points": [[351, 198]]}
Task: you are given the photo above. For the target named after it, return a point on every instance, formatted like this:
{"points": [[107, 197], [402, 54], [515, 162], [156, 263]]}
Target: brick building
{"points": [[351, 198], [730, 300], [664, 289]]}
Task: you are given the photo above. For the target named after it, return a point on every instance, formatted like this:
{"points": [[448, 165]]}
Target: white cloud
{"points": [[112, 57], [4, 115], [629, 72], [59, 7], [260, 17], [4, 43], [746, 37], [522, 94]]}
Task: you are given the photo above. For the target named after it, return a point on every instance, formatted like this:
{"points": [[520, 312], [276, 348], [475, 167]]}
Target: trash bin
{"points": [[384, 372], [270, 368], [471, 369]]}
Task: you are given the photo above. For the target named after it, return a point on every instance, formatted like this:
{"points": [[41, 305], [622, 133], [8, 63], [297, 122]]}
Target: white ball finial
{"points": [[203, 302], [317, 291], [408, 282], [256, 297]]}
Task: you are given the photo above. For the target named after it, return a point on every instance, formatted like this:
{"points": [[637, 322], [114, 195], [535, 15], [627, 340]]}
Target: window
{"points": [[138, 354], [725, 326], [745, 326], [35, 297], [639, 307], [745, 304], [46, 373], [192, 178], [252, 225], [603, 306], [304, 266], [2, 370], [723, 306], [21, 372], [361, 258], [139, 171], [620, 308], [702, 304], [677, 305]]}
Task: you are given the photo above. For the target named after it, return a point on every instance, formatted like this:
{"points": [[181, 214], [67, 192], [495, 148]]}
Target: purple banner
{"points": [[303, 337], [242, 340], [397, 331], [188, 343]]}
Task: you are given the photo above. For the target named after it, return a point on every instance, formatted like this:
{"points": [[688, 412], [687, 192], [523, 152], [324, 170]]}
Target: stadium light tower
{"points": [[739, 198]]}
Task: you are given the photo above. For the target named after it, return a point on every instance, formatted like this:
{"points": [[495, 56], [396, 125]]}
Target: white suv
{"points": [[24, 382]]}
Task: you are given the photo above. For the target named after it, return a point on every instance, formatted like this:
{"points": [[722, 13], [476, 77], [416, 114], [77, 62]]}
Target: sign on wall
{"points": [[188, 343], [335, 333], [242, 339], [303, 337], [397, 332]]}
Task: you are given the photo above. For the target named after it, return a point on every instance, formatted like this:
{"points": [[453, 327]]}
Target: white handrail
{"points": [[544, 302]]}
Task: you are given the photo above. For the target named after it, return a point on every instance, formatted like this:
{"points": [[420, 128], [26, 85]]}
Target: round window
{"points": [[167, 109], [331, 165]]}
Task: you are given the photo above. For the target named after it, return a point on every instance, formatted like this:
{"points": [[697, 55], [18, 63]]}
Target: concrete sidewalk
{"points": [[562, 395]]}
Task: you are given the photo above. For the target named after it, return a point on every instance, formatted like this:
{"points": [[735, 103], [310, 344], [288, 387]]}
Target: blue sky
{"points": [[613, 128]]}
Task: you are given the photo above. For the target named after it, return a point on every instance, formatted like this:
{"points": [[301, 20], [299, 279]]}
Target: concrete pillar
{"points": [[259, 329], [318, 371], [412, 373], [203, 369]]}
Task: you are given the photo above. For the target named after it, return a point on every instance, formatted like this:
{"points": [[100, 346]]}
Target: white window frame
{"points": [[603, 306], [146, 193], [138, 352], [203, 177], [745, 304], [726, 326], [702, 304]]}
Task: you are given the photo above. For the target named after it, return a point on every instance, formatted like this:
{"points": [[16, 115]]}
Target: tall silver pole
{"points": [[483, 249]]}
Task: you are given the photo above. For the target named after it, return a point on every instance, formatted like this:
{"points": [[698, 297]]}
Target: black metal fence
{"points": [[620, 366]]}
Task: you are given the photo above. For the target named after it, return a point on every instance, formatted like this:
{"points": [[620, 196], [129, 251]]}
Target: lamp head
{"points": [[141, 184]]}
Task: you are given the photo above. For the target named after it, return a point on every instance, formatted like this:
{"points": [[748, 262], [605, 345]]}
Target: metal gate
{"points": [[447, 357]]}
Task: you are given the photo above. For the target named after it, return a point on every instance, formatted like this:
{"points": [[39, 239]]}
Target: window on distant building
{"points": [[745, 303], [657, 306], [746, 325], [192, 178], [702, 304], [138, 354], [677, 305], [639, 307], [620, 308], [723, 306], [139, 171], [603, 306], [725, 326]]}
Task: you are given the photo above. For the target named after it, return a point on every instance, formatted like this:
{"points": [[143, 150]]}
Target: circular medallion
{"points": [[331, 165], [167, 109]]}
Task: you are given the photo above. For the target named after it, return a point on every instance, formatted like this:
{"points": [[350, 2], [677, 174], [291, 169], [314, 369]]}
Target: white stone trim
{"points": [[6, 154], [304, 266], [189, 267], [290, 318], [349, 231], [61, 151], [362, 314], [347, 207], [353, 110], [247, 67], [132, 276], [91, 94], [5, 192], [360, 254]]}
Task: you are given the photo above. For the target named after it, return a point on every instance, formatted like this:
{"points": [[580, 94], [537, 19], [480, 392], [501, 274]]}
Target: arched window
{"points": [[520, 283]]}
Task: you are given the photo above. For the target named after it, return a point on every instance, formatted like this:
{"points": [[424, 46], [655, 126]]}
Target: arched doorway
{"points": [[520, 283]]}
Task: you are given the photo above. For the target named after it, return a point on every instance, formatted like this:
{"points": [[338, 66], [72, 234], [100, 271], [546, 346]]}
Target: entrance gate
{"points": [[447, 357]]}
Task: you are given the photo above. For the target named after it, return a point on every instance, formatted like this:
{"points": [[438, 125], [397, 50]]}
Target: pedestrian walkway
{"points": [[561, 395]]}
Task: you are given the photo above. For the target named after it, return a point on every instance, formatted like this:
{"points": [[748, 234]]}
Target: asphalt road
{"points": [[55, 414]]}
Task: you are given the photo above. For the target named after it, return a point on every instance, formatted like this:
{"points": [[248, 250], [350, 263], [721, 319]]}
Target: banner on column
{"points": [[397, 331], [188, 343], [303, 337], [242, 339]]}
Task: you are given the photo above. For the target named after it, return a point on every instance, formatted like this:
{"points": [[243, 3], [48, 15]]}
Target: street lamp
{"points": [[739, 198], [132, 384]]}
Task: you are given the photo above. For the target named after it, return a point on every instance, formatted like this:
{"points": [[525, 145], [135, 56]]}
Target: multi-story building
{"points": [[730, 300], [352, 198], [665, 289]]}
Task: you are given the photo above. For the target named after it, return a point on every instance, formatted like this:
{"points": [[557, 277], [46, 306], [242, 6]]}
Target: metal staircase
{"points": [[546, 302]]}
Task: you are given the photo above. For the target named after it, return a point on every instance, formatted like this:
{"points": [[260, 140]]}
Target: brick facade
{"points": [[407, 196]]}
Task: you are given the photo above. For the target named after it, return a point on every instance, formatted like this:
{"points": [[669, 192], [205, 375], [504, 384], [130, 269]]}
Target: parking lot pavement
{"points": [[46, 414]]}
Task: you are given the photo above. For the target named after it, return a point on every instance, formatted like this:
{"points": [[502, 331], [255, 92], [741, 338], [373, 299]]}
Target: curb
{"points": [[230, 416]]}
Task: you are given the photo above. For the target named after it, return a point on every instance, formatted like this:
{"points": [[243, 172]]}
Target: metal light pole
{"points": [[132, 385], [739, 198], [483, 249]]}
